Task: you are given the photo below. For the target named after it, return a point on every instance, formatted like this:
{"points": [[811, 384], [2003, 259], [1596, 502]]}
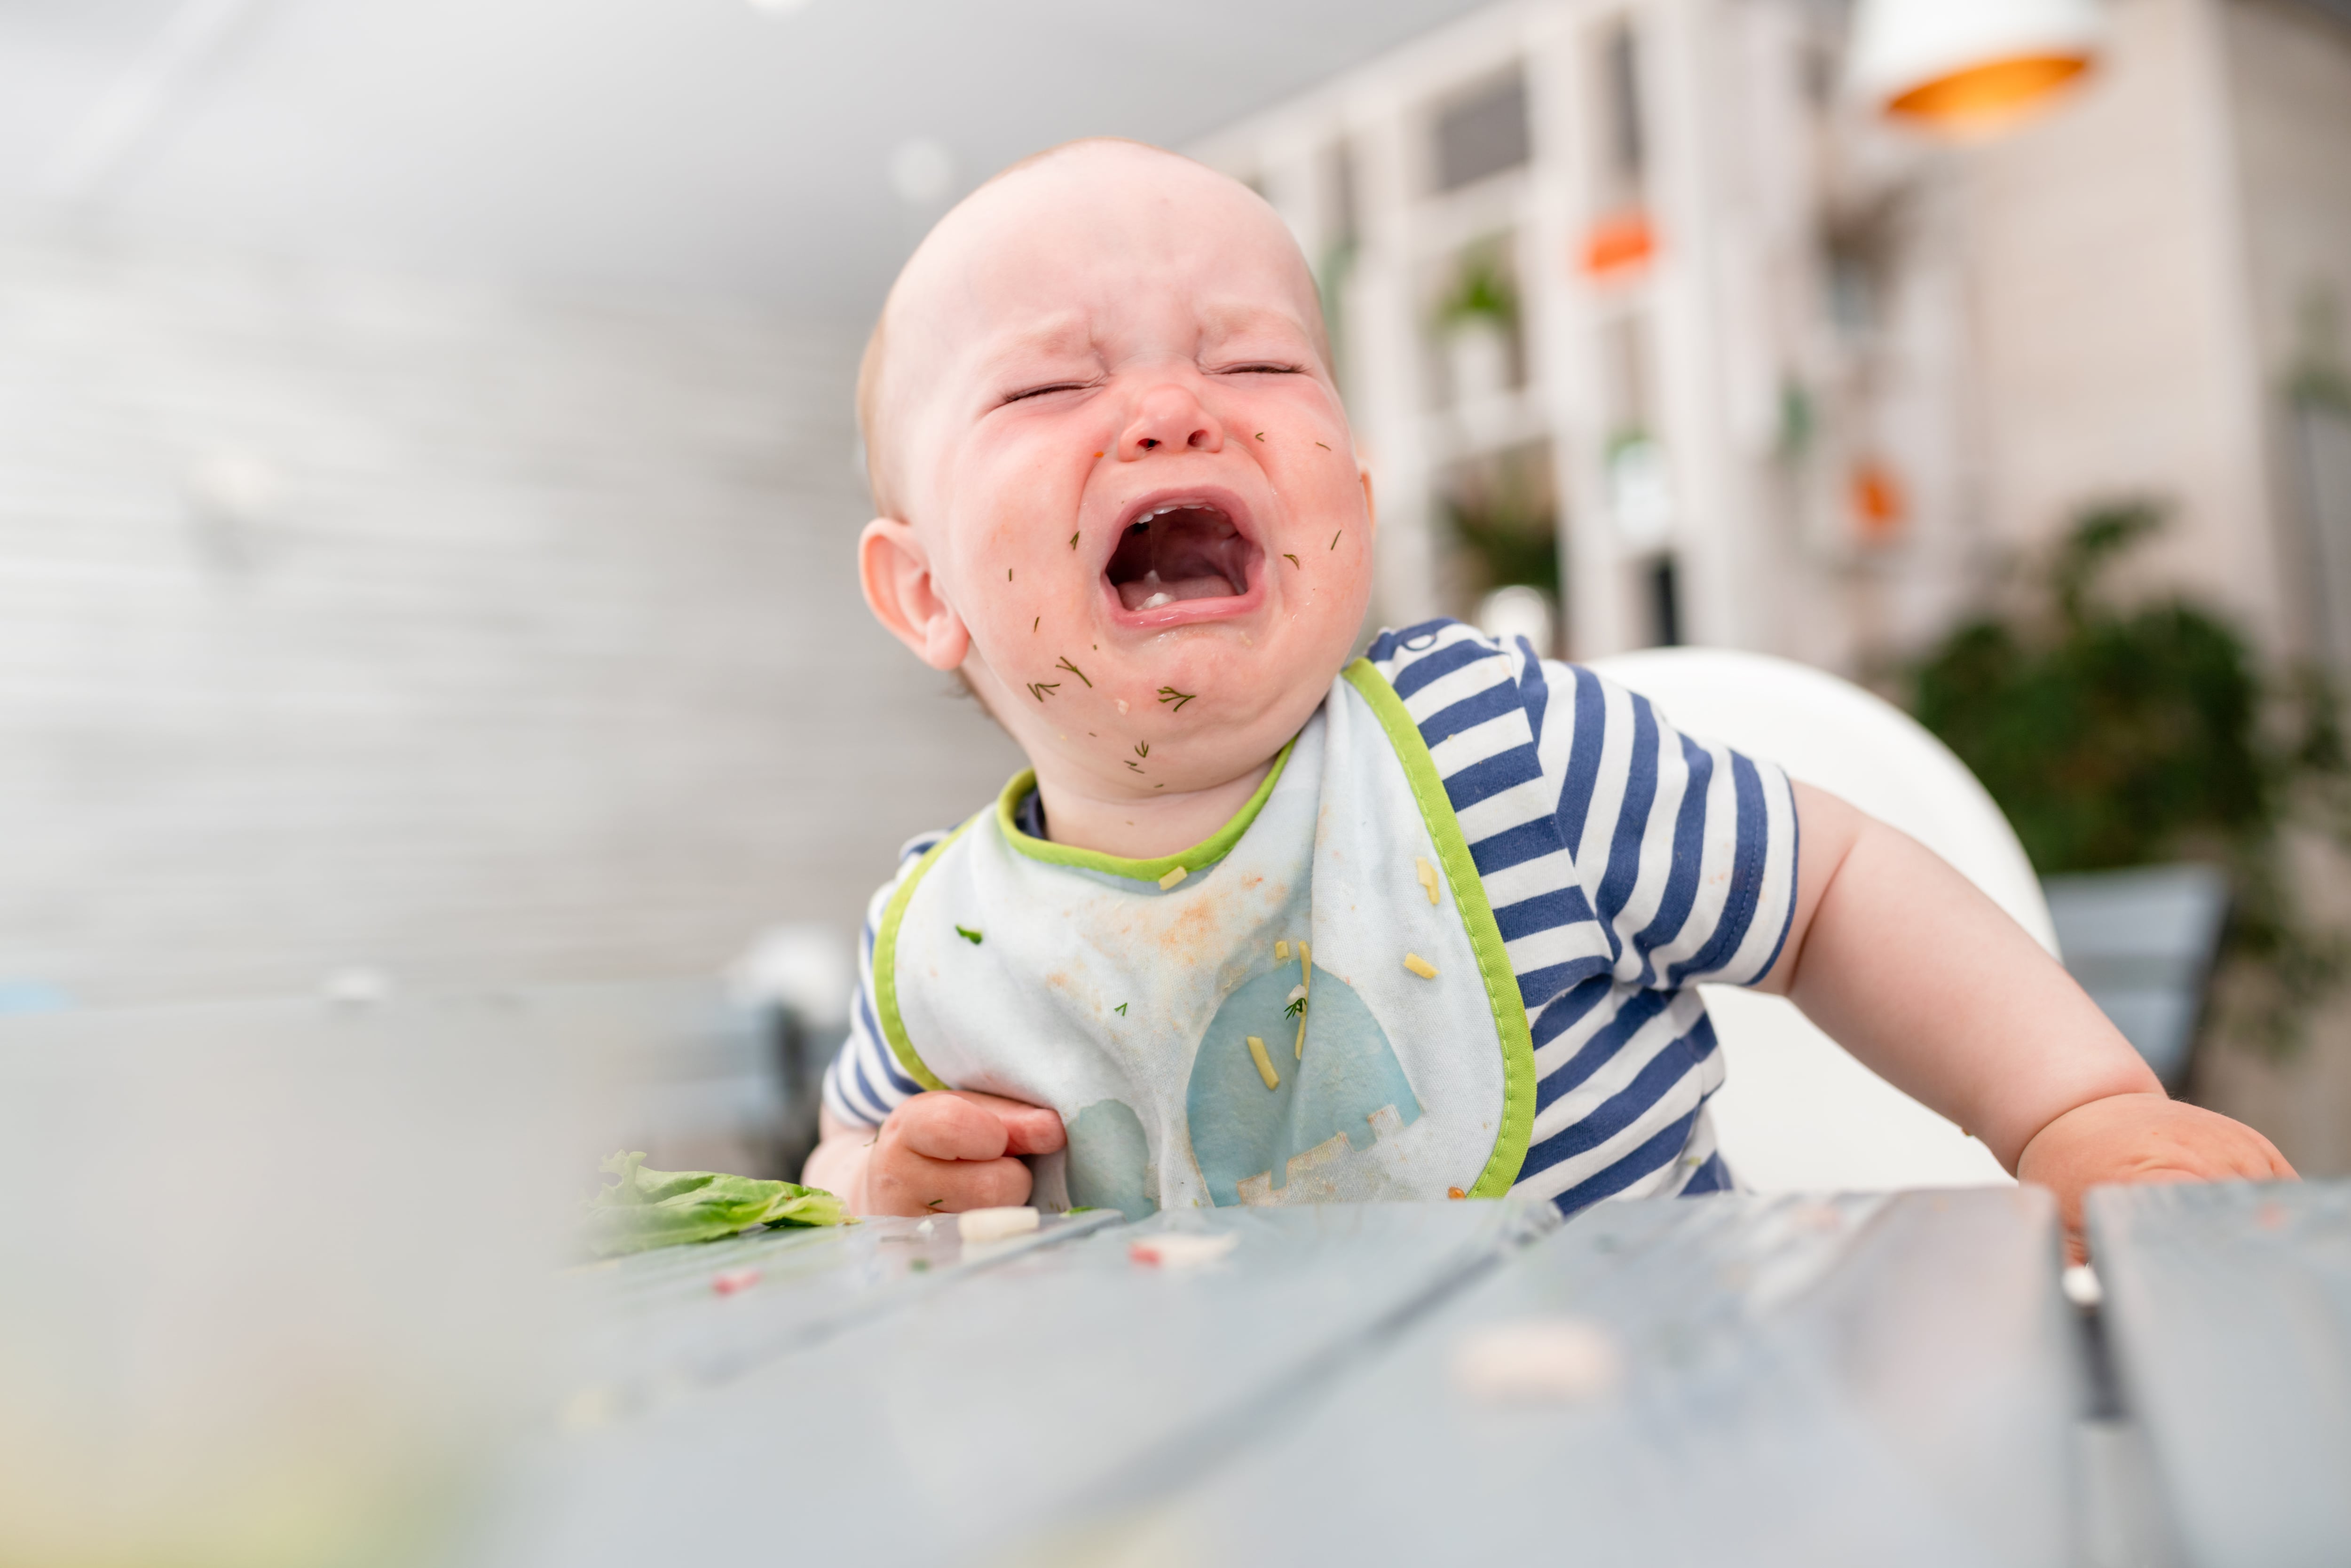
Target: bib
{"points": [[1312, 1006]]}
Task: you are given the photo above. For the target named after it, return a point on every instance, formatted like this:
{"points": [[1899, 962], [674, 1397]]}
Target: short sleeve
{"points": [[865, 1084], [1685, 849]]}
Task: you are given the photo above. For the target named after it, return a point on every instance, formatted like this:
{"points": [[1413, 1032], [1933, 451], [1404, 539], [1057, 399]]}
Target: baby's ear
{"points": [[895, 570]]}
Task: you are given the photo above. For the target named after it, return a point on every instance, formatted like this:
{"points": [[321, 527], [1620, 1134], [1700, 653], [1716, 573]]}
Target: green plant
{"points": [[1502, 514], [2117, 735], [1482, 289]]}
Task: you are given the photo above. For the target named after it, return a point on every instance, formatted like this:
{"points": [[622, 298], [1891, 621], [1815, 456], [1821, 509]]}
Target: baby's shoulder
{"points": [[1415, 659]]}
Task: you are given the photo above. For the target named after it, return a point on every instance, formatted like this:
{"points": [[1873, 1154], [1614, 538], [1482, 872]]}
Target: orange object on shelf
{"points": [[1879, 503], [1619, 243]]}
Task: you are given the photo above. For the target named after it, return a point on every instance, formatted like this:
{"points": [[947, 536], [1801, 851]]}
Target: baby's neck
{"points": [[1140, 829]]}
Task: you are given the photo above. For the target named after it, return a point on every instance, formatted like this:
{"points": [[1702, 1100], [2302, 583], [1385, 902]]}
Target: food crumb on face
{"points": [[1171, 878], [1420, 966], [1264, 1064]]}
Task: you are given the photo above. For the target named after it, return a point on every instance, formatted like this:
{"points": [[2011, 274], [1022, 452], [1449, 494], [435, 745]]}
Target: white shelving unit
{"points": [[1549, 136]]}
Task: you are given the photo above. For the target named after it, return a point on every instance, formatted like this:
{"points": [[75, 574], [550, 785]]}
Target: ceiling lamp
{"points": [[1969, 66]]}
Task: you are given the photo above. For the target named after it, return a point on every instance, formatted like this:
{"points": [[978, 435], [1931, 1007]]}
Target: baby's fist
{"points": [[945, 1152], [2141, 1138]]}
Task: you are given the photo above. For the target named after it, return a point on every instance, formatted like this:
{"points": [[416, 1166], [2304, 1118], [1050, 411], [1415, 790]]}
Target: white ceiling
{"points": [[701, 146]]}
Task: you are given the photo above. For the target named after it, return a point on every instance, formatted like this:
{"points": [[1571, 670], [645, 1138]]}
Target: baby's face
{"points": [[1125, 459]]}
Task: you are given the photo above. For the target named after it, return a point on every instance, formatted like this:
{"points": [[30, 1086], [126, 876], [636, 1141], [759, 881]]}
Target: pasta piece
{"points": [[1171, 878], [1420, 966], [1427, 874], [1179, 1250], [1264, 1064], [995, 1223], [1548, 1361]]}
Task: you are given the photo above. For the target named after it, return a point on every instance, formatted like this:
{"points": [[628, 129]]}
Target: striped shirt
{"points": [[1625, 864]]}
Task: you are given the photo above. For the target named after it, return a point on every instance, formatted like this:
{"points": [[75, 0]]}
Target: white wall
{"points": [[2290, 77], [548, 662], [2112, 318]]}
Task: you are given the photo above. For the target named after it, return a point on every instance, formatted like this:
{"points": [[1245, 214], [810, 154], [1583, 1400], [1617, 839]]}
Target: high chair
{"points": [[1796, 1113]]}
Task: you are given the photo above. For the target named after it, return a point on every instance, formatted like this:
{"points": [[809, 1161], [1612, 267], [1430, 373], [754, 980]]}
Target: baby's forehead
{"points": [[1059, 255]]}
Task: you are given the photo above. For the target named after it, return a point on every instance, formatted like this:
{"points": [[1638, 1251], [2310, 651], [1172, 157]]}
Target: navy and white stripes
{"points": [[1624, 864]]}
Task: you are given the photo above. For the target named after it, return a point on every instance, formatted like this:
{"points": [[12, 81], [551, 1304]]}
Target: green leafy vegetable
{"points": [[645, 1209]]}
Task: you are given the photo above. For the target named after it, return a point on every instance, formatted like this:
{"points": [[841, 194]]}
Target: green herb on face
{"points": [[1073, 541], [1120, 1009], [1261, 436], [1142, 748], [1065, 664], [1038, 688], [970, 936], [1291, 559], [1034, 624], [1322, 445], [1334, 538], [1131, 762], [1170, 694], [645, 1209], [1295, 1010]]}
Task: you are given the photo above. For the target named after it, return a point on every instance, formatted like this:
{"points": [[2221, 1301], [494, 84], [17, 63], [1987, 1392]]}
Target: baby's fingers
{"points": [[947, 1126], [912, 1183], [1028, 1129]]}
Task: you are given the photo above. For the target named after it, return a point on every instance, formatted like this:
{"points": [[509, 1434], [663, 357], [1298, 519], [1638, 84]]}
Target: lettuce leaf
{"points": [[645, 1208]]}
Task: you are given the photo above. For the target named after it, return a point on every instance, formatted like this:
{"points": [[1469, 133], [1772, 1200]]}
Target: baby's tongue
{"points": [[1149, 592]]}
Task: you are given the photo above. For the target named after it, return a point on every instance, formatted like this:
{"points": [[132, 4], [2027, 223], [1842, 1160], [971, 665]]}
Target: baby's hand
{"points": [[2140, 1137], [945, 1152]]}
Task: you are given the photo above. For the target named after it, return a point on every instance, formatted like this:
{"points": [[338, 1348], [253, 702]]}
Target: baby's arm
{"points": [[1929, 983], [937, 1154]]}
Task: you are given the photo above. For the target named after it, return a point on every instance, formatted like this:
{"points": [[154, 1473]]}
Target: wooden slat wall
{"points": [[546, 663]]}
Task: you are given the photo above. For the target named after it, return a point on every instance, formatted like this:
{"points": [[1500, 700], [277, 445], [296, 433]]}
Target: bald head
{"points": [[1040, 249]]}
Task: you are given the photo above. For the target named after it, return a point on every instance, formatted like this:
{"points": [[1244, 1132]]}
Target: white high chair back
{"points": [[1796, 1113]]}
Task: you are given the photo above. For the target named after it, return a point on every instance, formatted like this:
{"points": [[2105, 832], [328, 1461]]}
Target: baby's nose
{"points": [[1170, 418]]}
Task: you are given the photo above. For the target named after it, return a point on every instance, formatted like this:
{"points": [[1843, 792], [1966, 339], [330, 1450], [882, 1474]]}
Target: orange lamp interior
{"points": [[1991, 93]]}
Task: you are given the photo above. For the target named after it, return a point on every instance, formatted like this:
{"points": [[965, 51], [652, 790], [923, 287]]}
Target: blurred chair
{"points": [[1796, 1113], [2143, 943]]}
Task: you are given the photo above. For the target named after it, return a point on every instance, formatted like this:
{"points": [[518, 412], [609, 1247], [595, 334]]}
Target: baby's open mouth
{"points": [[1186, 550]]}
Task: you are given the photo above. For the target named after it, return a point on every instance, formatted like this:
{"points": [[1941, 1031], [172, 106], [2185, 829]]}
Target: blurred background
{"points": [[428, 480]]}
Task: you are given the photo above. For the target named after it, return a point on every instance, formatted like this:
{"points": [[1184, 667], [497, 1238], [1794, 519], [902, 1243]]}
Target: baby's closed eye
{"points": [[1026, 393]]}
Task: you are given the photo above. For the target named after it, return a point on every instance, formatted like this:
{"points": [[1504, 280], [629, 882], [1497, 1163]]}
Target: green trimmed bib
{"points": [[1312, 1006]]}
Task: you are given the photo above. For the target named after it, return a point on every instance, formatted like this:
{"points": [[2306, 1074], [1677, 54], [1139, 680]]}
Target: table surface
{"points": [[1863, 1379]]}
